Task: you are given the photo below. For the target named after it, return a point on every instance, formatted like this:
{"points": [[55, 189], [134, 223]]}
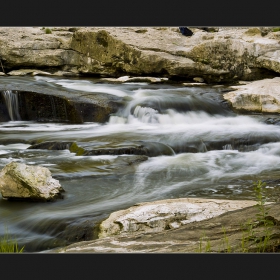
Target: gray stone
{"points": [[19, 181]]}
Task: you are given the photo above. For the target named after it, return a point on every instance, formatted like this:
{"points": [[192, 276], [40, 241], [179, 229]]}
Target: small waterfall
{"points": [[146, 115], [11, 100]]}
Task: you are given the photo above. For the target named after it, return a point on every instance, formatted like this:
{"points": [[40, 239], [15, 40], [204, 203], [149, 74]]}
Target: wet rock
{"points": [[259, 96], [274, 121], [19, 181], [165, 214], [150, 149], [43, 104], [52, 145], [130, 160], [153, 149]]}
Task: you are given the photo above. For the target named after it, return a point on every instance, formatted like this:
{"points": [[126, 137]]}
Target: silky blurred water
{"points": [[95, 186]]}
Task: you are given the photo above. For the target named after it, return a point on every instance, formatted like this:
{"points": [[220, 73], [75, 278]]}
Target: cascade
{"points": [[11, 100]]}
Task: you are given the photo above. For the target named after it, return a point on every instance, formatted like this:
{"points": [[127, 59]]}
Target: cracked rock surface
{"points": [[223, 56]]}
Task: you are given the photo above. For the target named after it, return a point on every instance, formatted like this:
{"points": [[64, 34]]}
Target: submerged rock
{"points": [[166, 214], [150, 149], [19, 181], [259, 96]]}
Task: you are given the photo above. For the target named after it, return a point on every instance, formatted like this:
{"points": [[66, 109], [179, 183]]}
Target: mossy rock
{"points": [[253, 31], [74, 148], [276, 29], [48, 31]]}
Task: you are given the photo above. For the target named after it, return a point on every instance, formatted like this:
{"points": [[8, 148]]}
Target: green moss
{"points": [[74, 148], [276, 29], [48, 31], [203, 60], [253, 31]]}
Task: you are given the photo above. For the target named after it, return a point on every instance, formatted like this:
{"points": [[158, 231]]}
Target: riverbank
{"points": [[225, 233], [227, 55]]}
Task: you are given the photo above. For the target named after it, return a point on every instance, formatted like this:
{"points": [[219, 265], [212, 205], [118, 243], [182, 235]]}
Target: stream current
{"points": [[97, 185]]}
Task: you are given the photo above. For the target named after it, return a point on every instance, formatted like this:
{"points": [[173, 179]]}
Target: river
{"points": [[202, 149]]}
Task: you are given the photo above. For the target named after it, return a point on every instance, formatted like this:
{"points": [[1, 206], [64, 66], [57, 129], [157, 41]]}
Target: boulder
{"points": [[166, 214], [43, 103], [19, 181], [259, 96]]}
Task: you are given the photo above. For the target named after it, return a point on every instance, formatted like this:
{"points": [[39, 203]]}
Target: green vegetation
{"points": [[9, 245], [48, 31], [74, 148], [207, 247], [249, 234], [227, 247], [276, 29], [262, 215]]}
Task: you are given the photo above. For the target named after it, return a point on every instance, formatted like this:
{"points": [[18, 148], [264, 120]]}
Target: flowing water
{"points": [[213, 153]]}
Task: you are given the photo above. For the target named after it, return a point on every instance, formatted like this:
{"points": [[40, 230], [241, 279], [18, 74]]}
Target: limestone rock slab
{"points": [[166, 214], [258, 96], [226, 55]]}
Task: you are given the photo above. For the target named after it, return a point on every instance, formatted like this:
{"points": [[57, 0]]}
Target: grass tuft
{"points": [[9, 245], [260, 239]]}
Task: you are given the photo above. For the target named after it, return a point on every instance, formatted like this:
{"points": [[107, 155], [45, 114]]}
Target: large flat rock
{"points": [[41, 102], [160, 215], [224, 233], [259, 96], [227, 55]]}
